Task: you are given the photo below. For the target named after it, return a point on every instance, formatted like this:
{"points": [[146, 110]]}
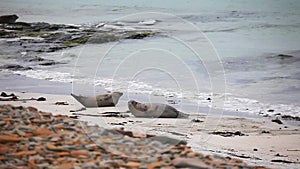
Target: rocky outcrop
{"points": [[8, 18]]}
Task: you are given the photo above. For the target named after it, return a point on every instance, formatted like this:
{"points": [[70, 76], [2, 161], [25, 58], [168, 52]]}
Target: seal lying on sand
{"points": [[99, 100], [154, 110]]}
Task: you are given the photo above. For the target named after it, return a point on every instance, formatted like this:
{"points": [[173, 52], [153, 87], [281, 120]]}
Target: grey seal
{"points": [[154, 110], [99, 100]]}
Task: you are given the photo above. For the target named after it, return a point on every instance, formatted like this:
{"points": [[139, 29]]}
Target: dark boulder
{"points": [[8, 18], [14, 67]]}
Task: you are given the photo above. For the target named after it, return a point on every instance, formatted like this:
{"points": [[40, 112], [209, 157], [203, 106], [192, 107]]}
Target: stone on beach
{"points": [[8, 18], [58, 141]]}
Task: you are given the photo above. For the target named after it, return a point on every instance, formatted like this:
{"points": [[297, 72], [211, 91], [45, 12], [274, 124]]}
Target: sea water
{"points": [[219, 54]]}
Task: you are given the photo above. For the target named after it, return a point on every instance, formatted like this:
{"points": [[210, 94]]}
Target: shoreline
{"points": [[256, 141]]}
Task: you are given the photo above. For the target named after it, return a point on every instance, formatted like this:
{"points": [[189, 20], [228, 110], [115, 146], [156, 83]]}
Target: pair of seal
{"points": [[99, 100], [154, 110]]}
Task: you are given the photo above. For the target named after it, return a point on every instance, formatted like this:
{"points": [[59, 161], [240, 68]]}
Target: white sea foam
{"points": [[229, 102], [147, 22]]}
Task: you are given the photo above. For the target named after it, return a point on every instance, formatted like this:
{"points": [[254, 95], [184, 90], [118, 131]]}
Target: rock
{"points": [[57, 141], [79, 153], [289, 117], [277, 121], [41, 99], [281, 161], [49, 62], [54, 148], [8, 18], [284, 56], [23, 153], [190, 163], [14, 67], [60, 154], [154, 165], [3, 94], [167, 140], [228, 133], [265, 132], [197, 121], [6, 138], [138, 35], [61, 103], [44, 131], [133, 164], [3, 149]]}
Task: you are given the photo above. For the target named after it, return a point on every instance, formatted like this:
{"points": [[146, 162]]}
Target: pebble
{"points": [[58, 141]]}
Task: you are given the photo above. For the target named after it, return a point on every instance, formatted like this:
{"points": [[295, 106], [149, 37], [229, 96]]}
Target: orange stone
{"points": [[154, 165], [41, 121], [54, 148], [9, 138], [66, 166], [133, 164], [22, 153], [44, 131], [33, 109], [59, 127], [32, 164], [63, 154], [27, 135], [2, 158], [77, 153], [3, 149], [97, 153]]}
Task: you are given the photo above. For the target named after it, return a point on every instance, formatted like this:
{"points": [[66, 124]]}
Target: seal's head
{"points": [[137, 106]]}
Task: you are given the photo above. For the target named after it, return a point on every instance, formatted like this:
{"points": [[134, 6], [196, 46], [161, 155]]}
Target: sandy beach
{"points": [[228, 72], [258, 142]]}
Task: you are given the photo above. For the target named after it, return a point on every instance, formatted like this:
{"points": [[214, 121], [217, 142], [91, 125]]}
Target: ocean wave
{"points": [[229, 102]]}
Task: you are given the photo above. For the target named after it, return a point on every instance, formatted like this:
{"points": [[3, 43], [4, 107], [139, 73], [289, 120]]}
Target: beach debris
{"points": [[197, 121], [138, 35], [3, 94], [289, 117], [14, 67], [13, 98], [279, 155], [228, 133], [133, 134], [277, 120], [40, 99], [265, 132], [114, 114], [282, 161], [81, 109], [244, 156], [44, 140], [61, 103]]}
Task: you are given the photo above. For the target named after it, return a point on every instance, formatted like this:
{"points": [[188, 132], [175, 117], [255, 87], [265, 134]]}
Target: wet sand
{"points": [[257, 141]]}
